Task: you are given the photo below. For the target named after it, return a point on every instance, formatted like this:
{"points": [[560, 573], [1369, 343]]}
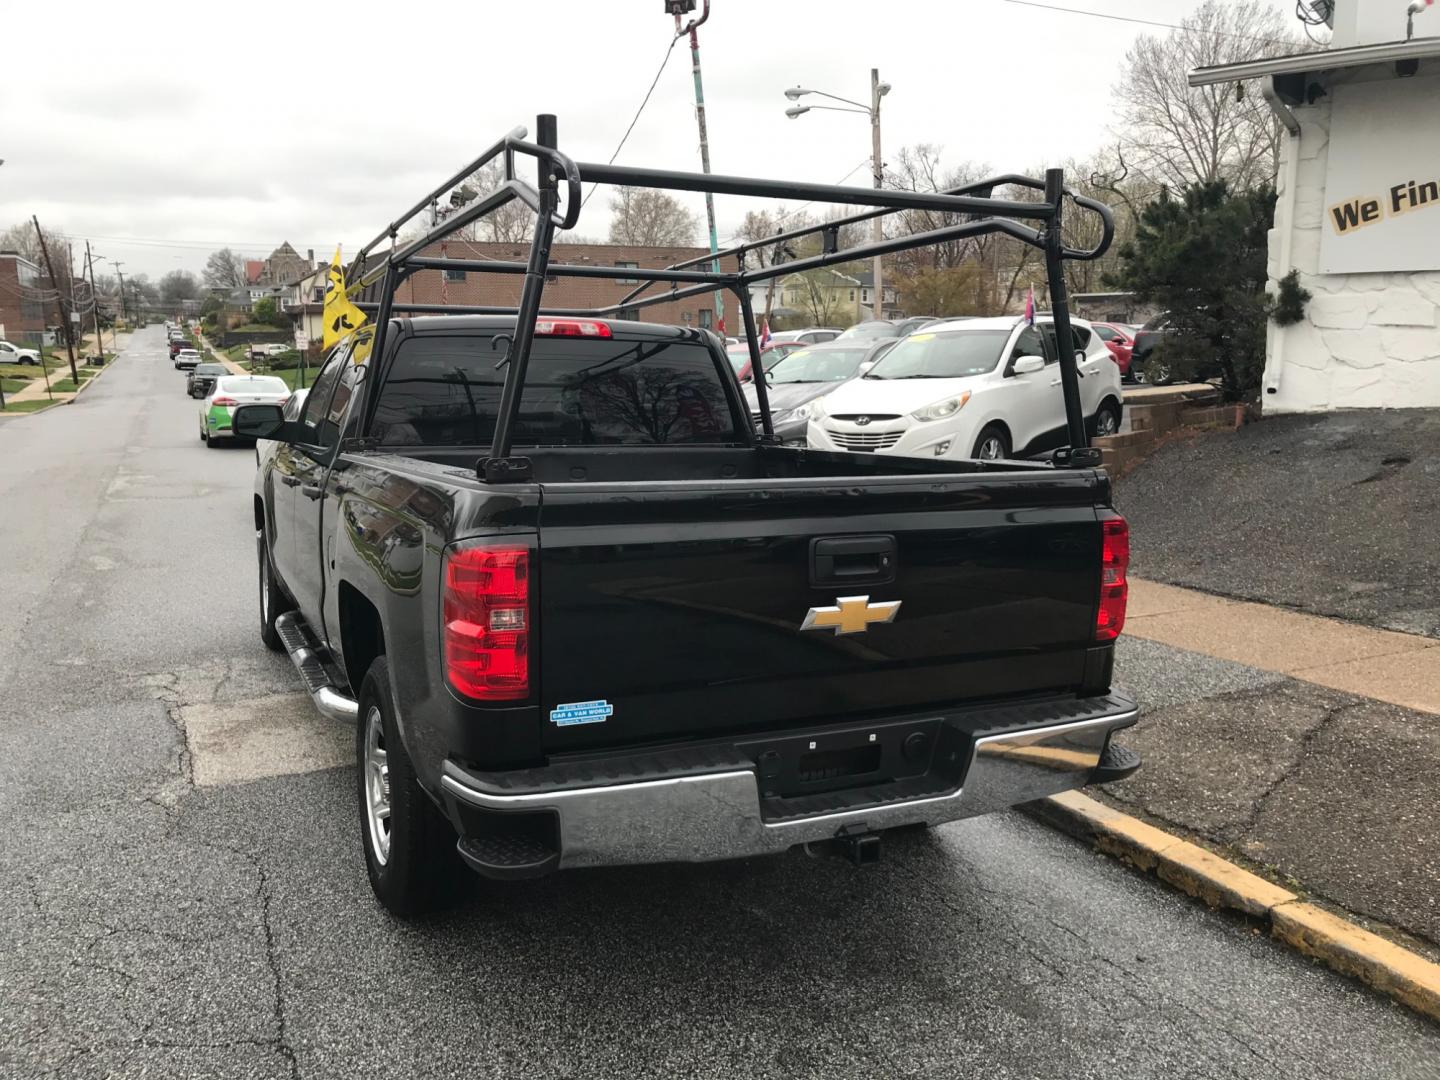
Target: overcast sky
{"points": [[177, 128]]}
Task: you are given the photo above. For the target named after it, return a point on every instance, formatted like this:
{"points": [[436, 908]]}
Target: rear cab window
{"points": [[444, 390]]}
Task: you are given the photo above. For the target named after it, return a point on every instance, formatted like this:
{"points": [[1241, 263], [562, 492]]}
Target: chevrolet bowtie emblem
{"points": [[850, 615]]}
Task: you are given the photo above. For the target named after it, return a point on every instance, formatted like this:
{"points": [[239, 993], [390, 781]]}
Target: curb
{"points": [[1340, 945]]}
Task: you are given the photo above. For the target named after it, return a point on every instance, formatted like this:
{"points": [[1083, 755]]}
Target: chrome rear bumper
{"points": [[699, 817]]}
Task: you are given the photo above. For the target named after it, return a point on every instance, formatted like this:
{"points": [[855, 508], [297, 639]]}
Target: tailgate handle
{"points": [[843, 559]]}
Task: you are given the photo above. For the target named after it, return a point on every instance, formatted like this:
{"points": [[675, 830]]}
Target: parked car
{"points": [[232, 391], [806, 374], [906, 327], [770, 355], [678, 689], [1153, 369], [813, 335], [187, 359], [872, 330], [974, 388], [276, 348], [176, 344], [1120, 340], [202, 377], [17, 354]]}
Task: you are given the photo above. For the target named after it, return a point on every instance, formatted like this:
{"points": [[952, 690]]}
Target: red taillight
{"points": [[1114, 561], [224, 401], [572, 328], [487, 622]]}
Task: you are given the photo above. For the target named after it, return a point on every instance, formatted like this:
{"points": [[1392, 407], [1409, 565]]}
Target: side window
{"points": [[1081, 336], [318, 402], [350, 379], [1030, 344]]}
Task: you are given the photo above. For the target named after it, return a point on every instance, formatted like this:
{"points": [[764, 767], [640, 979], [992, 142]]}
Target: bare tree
{"points": [[23, 239], [1181, 135], [513, 223], [650, 219], [920, 168], [179, 285], [224, 269]]}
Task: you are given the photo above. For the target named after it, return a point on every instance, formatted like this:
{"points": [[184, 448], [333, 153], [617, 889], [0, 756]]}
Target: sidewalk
{"points": [[1306, 746], [36, 390]]}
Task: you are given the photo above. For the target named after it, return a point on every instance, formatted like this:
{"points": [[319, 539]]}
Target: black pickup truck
{"points": [[658, 635]]}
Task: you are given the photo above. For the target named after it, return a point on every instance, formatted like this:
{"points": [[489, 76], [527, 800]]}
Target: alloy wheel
{"points": [[377, 786]]}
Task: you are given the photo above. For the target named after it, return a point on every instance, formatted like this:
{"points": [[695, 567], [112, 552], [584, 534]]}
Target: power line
{"points": [[636, 118], [1145, 22]]}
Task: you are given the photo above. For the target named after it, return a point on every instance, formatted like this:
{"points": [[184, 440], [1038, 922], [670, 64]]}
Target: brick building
{"points": [[22, 312], [461, 287]]}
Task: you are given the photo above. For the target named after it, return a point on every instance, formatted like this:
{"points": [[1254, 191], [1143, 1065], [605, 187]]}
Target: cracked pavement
{"points": [[165, 920]]}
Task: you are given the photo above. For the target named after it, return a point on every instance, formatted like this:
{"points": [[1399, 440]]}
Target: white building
{"points": [[1358, 213]]}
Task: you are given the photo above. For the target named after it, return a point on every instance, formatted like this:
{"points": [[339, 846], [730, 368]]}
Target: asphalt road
{"points": [[184, 893]]}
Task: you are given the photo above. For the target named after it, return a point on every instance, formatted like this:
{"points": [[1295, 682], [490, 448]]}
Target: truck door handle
{"points": [[290, 481], [311, 491], [839, 560]]}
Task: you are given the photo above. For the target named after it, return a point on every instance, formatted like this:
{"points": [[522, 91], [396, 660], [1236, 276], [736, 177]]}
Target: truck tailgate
{"points": [[671, 609]]}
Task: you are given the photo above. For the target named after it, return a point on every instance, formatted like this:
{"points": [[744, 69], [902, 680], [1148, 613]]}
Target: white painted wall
{"points": [[1368, 340], [1370, 22]]}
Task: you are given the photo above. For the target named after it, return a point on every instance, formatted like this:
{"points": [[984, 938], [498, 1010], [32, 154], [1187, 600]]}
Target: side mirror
{"points": [[257, 421], [1026, 365]]}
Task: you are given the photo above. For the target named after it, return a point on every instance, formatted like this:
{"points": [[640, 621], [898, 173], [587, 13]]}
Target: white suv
{"points": [[972, 388]]}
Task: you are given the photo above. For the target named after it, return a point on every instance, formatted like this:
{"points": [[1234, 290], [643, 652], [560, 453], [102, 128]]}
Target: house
{"points": [[1357, 217], [253, 269], [285, 265], [304, 301], [890, 301], [503, 290], [22, 307], [823, 297]]}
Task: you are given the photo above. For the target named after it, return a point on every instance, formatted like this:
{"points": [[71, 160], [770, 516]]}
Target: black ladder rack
{"points": [[977, 213]]}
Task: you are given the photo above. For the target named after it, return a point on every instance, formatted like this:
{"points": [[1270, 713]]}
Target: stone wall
{"points": [[1368, 340]]}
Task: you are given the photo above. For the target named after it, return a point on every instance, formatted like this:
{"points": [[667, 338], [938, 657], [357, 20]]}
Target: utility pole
{"points": [[877, 230], [123, 313], [94, 304], [676, 8], [60, 306]]}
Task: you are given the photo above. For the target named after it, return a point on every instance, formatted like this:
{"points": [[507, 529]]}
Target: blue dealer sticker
{"points": [[581, 712]]}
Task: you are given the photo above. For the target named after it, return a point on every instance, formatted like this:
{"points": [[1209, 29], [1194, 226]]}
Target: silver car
{"points": [[232, 391]]}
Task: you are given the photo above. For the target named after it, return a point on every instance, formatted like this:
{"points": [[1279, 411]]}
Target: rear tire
{"points": [[409, 846], [992, 444], [1107, 420], [273, 601], [1159, 373]]}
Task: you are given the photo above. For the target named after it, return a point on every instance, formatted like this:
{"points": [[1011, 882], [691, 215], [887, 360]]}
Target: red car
{"points": [[1120, 340], [770, 355]]}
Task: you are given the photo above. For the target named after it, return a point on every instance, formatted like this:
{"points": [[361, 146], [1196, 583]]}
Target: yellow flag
{"points": [[341, 316]]}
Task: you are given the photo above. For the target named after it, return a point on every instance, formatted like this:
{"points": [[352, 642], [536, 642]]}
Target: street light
{"points": [[878, 90]]}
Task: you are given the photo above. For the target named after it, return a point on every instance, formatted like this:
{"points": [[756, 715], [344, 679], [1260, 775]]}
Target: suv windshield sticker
{"points": [[581, 712]]}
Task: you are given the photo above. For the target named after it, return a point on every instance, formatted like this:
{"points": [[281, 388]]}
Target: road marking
{"points": [[280, 735]]}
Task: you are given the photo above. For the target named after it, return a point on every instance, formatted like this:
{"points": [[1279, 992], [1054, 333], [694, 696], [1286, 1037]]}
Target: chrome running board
{"points": [[305, 655]]}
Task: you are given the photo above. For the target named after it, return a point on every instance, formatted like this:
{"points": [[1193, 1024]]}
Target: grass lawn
{"points": [[25, 371], [64, 386], [292, 376], [29, 406], [13, 386]]}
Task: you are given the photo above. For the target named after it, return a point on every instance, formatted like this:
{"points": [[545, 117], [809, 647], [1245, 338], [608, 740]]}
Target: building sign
{"points": [[1381, 210]]}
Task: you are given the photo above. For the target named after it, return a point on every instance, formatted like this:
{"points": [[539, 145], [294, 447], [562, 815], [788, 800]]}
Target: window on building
{"points": [[864, 296], [454, 275], [852, 294], [629, 314], [707, 318], [628, 265]]}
